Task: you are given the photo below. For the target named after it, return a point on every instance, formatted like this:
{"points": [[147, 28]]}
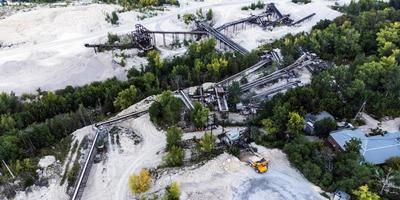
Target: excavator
{"points": [[259, 165]]}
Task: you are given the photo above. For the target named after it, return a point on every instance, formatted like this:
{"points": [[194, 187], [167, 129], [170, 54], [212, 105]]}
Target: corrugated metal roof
{"points": [[375, 149]]}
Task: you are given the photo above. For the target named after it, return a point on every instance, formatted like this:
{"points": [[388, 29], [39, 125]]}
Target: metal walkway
{"points": [[185, 99], [121, 118], [275, 90], [303, 61], [251, 19], [245, 72], [178, 32], [221, 99], [302, 20], [221, 37]]}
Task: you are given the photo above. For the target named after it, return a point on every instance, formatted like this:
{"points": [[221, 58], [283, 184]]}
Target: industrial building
{"points": [[375, 149]]}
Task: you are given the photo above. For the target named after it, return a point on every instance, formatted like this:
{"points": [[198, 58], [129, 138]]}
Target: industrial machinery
{"points": [[237, 138]]}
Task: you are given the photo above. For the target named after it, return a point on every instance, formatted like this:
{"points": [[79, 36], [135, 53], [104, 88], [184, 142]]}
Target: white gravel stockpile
{"points": [[226, 177], [46, 161], [110, 180]]}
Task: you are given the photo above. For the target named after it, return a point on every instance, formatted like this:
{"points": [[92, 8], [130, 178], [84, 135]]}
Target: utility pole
{"points": [[8, 169], [362, 108]]}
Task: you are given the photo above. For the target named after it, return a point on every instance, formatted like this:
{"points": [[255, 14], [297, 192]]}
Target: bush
{"points": [[209, 15], [174, 157], [188, 18], [207, 143], [172, 192], [393, 163], [112, 38], [113, 19], [166, 111], [324, 127], [199, 115], [140, 183], [363, 193], [126, 97], [253, 6], [395, 4], [301, 1], [174, 137], [234, 150]]}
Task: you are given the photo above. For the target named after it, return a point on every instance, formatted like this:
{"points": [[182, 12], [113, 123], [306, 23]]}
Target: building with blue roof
{"points": [[375, 149]]}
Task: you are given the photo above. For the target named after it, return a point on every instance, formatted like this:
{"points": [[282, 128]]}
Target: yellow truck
{"points": [[259, 164]]}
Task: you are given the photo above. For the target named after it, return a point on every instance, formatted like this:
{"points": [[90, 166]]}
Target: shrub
{"points": [[113, 19], [199, 115], [172, 192], [140, 183], [188, 18], [174, 137], [363, 193], [174, 157], [126, 97], [393, 163], [324, 127], [207, 143]]}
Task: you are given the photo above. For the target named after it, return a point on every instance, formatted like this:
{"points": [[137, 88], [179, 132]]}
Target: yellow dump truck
{"points": [[259, 164]]}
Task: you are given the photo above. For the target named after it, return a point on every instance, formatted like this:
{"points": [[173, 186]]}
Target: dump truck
{"points": [[260, 165]]}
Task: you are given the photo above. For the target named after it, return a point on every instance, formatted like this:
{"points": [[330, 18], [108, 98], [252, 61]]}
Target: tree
{"points": [[269, 126], [155, 59], [200, 115], [40, 135], [188, 18], [182, 73], [393, 163], [209, 15], [9, 149], [172, 192], [145, 3], [174, 137], [280, 117], [216, 65], [8, 103], [140, 183], [174, 157], [340, 42], [6, 123], [207, 143], [166, 111], [389, 39], [353, 145], [363, 193], [323, 127], [126, 97], [113, 19], [395, 4], [295, 124], [234, 95], [386, 180]]}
